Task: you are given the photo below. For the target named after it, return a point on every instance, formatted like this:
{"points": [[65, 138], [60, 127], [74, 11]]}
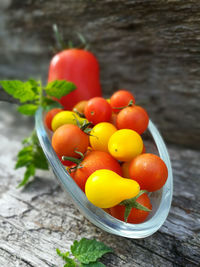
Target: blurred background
{"points": [[151, 48]]}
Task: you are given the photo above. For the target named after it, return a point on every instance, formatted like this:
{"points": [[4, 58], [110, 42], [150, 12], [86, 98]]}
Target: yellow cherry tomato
{"points": [[100, 134], [125, 144], [66, 117], [105, 188], [125, 169]]}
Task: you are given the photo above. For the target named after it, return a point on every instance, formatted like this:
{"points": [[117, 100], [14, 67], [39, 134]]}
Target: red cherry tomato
{"points": [[121, 99], [98, 110], [80, 67], [95, 160], [68, 139], [149, 171], [49, 116], [136, 215], [134, 118]]}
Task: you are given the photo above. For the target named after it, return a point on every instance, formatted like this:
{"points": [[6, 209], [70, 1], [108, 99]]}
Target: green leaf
{"points": [[25, 151], [30, 171], [94, 264], [59, 88], [39, 159], [48, 103], [23, 161], [28, 109], [87, 251], [65, 257], [19, 90]]}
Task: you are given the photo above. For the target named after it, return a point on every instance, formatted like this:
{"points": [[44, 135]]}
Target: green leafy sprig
{"points": [[86, 253], [32, 95]]}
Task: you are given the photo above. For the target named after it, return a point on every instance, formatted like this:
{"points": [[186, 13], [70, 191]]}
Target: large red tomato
{"points": [[80, 67]]}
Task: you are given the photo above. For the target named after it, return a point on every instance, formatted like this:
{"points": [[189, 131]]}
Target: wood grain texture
{"points": [[40, 218], [149, 47]]}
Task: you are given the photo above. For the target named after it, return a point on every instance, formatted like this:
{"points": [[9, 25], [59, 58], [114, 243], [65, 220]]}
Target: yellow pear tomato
{"points": [[105, 188]]}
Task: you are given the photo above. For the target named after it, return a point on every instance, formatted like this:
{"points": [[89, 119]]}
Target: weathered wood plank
{"points": [[38, 219], [148, 47]]}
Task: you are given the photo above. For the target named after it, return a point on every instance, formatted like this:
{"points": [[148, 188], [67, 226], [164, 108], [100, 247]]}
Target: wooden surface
{"points": [[40, 218], [149, 47]]}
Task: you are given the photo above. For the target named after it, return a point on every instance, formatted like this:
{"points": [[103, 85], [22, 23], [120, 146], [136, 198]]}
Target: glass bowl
{"points": [[161, 199]]}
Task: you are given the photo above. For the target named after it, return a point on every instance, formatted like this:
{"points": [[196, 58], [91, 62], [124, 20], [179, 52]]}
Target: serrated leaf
{"points": [[28, 109], [23, 161], [48, 103], [40, 160], [34, 83], [30, 171], [59, 88], [19, 90], [25, 151], [65, 257], [94, 264], [87, 251]]}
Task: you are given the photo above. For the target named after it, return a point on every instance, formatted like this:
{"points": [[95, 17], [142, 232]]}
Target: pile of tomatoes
{"points": [[100, 143]]}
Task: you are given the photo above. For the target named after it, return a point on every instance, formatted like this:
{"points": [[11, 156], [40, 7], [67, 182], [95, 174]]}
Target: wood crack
{"points": [[17, 257]]}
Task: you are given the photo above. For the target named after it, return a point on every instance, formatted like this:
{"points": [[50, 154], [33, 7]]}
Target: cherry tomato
{"points": [[125, 169], [149, 171], [79, 107], [125, 166], [98, 110], [125, 144], [95, 160], [113, 119], [68, 139], [100, 135], [136, 216], [66, 117], [49, 117], [80, 67], [121, 99], [135, 118]]}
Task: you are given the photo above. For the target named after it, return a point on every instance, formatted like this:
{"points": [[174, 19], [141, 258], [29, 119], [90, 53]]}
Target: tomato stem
{"points": [[72, 159], [130, 104]]}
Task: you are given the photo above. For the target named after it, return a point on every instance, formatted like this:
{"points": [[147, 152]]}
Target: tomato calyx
{"points": [[79, 113], [130, 104], [132, 203], [84, 126], [62, 45]]}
